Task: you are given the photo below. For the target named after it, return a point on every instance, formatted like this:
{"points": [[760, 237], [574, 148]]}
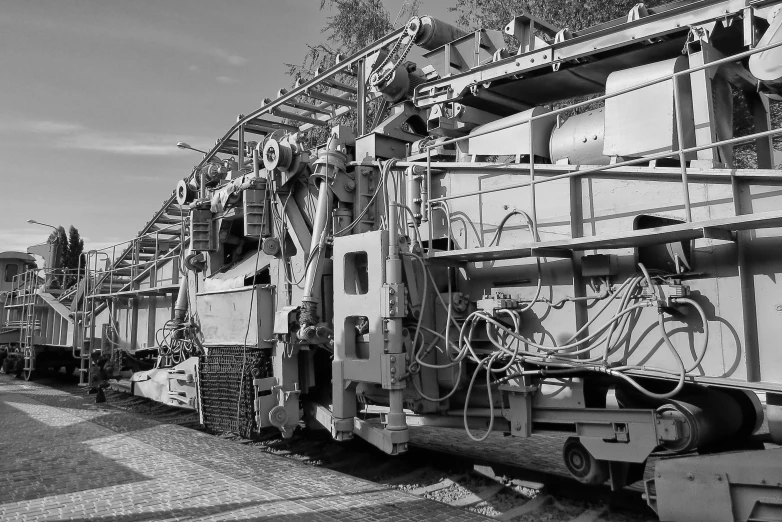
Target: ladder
{"points": [[28, 322], [83, 325]]}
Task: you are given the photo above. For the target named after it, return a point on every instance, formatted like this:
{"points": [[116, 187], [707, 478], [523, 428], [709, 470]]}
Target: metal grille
{"points": [[220, 377]]}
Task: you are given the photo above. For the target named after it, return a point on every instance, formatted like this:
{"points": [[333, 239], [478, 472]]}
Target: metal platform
{"points": [[716, 229]]}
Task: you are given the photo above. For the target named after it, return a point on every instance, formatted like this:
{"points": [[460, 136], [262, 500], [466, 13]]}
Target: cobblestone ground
{"points": [[64, 458]]}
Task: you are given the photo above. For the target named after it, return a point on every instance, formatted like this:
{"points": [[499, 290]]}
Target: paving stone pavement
{"points": [[64, 458]]}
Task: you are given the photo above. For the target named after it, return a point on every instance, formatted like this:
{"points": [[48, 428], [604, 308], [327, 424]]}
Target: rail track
{"points": [[502, 493]]}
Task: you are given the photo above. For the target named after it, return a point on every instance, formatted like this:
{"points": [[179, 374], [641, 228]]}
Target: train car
{"points": [[36, 326], [11, 264], [538, 230]]}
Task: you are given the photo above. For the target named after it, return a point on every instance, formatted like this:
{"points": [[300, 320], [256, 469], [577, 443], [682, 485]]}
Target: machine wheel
{"points": [[582, 465]]}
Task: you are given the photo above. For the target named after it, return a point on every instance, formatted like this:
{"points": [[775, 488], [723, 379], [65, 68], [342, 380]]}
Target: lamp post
{"points": [[34, 222], [50, 259], [184, 146]]}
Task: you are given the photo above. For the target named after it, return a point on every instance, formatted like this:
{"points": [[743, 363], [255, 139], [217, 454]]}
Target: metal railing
{"points": [[681, 151]]}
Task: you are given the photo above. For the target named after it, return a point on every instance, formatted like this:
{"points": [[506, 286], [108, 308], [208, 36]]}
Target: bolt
{"points": [[393, 380], [393, 370], [690, 476], [719, 478], [393, 359], [518, 426], [391, 291]]}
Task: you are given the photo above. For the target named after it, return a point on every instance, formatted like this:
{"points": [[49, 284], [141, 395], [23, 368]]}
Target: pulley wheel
{"points": [[582, 465], [184, 193], [277, 155], [271, 246], [278, 416]]}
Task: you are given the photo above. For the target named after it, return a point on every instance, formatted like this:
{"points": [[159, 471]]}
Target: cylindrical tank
{"points": [[395, 87], [432, 33], [703, 420], [580, 140]]}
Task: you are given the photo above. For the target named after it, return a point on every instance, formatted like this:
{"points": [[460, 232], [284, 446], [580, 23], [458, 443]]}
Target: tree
{"points": [[60, 239], [579, 14], [354, 25], [571, 14], [70, 247]]}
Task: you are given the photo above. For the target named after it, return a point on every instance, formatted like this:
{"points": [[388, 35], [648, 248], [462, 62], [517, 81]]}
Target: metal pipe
{"points": [[299, 117], [319, 232], [396, 420], [334, 100], [682, 159], [181, 306], [532, 204], [361, 106], [601, 168], [728, 59]]}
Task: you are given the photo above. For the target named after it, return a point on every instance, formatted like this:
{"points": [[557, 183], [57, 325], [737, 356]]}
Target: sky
{"points": [[95, 94]]}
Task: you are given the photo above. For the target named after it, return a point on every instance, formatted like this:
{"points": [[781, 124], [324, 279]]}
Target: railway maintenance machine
{"points": [[532, 230]]}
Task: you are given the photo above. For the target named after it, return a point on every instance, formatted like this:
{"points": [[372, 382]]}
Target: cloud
{"points": [[194, 68], [54, 127], [226, 80], [134, 144], [225, 56], [47, 127], [18, 239], [74, 136]]}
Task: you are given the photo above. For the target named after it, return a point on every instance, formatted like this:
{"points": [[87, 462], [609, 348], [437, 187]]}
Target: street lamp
{"points": [[50, 257], [34, 222], [185, 146]]}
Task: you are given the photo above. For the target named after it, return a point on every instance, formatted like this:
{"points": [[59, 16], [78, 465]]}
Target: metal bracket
{"points": [[520, 416], [282, 319], [392, 366], [393, 300]]}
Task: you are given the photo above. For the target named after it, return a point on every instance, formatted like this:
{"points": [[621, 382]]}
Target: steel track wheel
{"points": [[582, 465]]}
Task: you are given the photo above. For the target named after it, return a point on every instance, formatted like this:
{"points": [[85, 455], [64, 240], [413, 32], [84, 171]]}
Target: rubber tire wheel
{"points": [[582, 465]]}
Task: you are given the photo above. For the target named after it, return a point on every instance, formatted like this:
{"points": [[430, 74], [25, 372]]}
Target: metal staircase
{"points": [[124, 267]]}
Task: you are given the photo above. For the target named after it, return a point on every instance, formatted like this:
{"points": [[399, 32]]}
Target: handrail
{"points": [[681, 152], [300, 90]]}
